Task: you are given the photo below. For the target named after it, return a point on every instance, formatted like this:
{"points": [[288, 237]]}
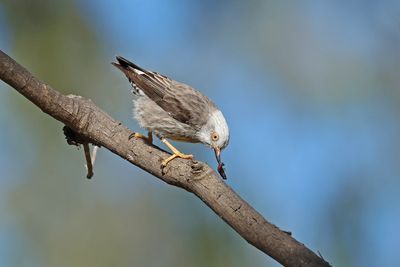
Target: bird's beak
{"points": [[217, 151]]}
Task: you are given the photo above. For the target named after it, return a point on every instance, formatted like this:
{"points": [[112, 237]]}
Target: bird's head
{"points": [[215, 133]]}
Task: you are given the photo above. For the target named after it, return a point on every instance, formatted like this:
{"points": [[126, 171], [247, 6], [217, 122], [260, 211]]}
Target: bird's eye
{"points": [[214, 136]]}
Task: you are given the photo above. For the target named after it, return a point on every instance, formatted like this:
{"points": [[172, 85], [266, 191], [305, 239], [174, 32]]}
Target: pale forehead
{"points": [[217, 120]]}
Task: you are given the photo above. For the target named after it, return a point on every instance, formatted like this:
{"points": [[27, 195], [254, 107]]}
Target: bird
{"points": [[176, 111]]}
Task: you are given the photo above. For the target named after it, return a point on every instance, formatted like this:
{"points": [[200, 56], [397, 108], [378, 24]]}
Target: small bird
{"points": [[176, 111]]}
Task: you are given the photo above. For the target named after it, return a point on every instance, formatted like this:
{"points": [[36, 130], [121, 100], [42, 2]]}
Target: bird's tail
{"points": [[124, 65], [131, 71]]}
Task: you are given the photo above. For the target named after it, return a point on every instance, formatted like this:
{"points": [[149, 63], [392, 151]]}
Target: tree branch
{"points": [[85, 118]]}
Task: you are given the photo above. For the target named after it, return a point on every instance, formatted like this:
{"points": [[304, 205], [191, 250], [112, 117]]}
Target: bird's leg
{"points": [[176, 153], [148, 138]]}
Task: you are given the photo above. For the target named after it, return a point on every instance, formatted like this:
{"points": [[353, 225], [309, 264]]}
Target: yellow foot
{"points": [[176, 154], [148, 138], [179, 155]]}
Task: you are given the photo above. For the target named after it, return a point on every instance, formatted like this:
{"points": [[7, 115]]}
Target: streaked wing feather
{"points": [[179, 100]]}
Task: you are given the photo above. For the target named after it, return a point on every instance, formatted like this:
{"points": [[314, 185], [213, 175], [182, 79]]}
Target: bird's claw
{"points": [[177, 155], [148, 139]]}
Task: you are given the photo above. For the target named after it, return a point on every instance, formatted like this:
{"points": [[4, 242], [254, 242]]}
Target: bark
{"points": [[88, 120]]}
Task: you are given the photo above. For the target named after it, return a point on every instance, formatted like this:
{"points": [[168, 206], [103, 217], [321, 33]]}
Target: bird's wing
{"points": [[179, 100]]}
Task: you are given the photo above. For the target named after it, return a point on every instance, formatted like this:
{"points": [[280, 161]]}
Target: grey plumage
{"points": [[170, 109], [174, 110]]}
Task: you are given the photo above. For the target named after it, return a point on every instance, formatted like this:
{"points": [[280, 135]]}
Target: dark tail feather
{"points": [[123, 63]]}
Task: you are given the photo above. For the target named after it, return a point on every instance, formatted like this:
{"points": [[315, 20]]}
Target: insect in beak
{"points": [[220, 168]]}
